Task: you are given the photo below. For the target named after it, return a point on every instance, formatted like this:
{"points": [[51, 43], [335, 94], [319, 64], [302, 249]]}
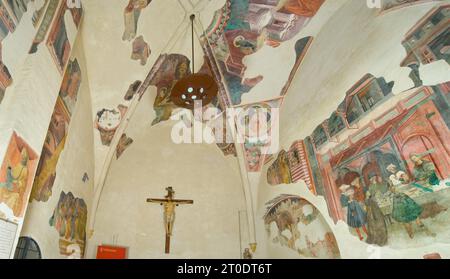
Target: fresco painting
{"points": [[124, 143], [45, 25], [69, 219], [107, 121], [132, 13], [132, 90], [295, 223], [432, 256], [390, 5], [57, 133], [58, 41], [16, 175], [11, 13], [71, 85], [385, 172], [241, 28], [40, 7], [5, 77], [17, 8], [141, 50], [292, 166], [253, 158], [77, 14], [224, 139], [7, 23], [256, 119], [53, 147], [174, 68], [428, 41], [278, 172]]}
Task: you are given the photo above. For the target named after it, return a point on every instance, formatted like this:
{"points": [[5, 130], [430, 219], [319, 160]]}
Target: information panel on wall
{"points": [[8, 232], [106, 252]]}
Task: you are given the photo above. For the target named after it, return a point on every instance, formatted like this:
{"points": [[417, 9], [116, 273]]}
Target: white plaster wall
{"points": [[109, 62], [207, 229]]}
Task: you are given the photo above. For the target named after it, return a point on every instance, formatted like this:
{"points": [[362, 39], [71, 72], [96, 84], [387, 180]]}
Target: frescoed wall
{"points": [[174, 68], [27, 83], [254, 128], [11, 13], [292, 166], [389, 176], [57, 133], [69, 220], [124, 143], [294, 223], [390, 5], [141, 50], [428, 41], [59, 211], [107, 122], [132, 13], [241, 28], [16, 177], [47, 18], [375, 159], [363, 159], [58, 39]]}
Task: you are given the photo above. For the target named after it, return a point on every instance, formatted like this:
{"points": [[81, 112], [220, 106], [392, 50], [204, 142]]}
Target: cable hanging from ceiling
{"points": [[196, 88]]}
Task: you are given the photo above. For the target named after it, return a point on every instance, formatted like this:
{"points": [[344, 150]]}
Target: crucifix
{"points": [[169, 204]]}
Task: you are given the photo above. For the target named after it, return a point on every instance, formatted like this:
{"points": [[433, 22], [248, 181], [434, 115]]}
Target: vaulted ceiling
{"points": [[249, 40], [258, 46]]}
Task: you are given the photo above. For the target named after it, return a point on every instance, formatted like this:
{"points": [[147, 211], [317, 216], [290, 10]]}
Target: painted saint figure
{"points": [[69, 219], [15, 185], [176, 68]]}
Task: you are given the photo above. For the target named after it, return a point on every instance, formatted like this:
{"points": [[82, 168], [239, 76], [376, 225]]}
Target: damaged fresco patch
{"points": [[241, 28], [295, 223]]}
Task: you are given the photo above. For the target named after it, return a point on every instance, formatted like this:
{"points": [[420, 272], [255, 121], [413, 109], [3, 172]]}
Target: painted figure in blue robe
{"points": [[9, 183], [356, 216]]}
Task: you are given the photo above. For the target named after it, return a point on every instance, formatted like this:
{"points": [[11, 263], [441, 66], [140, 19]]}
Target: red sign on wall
{"points": [[111, 252]]}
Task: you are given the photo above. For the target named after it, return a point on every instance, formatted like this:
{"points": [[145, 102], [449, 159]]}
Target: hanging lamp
{"points": [[194, 88]]}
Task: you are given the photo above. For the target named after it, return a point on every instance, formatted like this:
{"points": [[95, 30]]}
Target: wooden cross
{"points": [[169, 204]]}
